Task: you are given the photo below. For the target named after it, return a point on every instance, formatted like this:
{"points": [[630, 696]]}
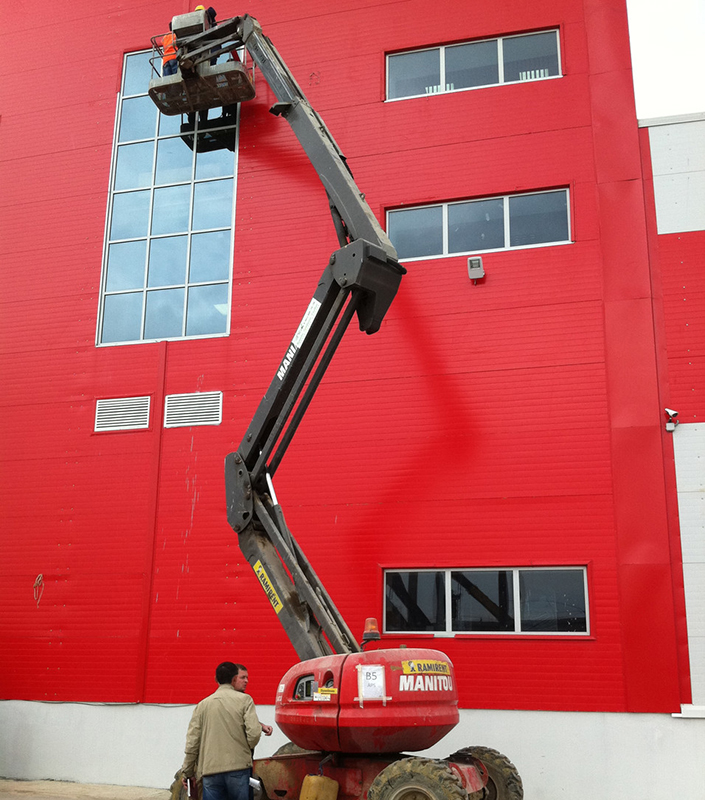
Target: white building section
{"points": [[678, 161], [581, 756]]}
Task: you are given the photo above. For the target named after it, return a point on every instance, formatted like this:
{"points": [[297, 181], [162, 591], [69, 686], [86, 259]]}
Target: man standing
{"points": [[221, 736]]}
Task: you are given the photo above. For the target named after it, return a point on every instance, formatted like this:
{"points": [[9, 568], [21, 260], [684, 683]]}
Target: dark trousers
{"points": [[233, 785]]}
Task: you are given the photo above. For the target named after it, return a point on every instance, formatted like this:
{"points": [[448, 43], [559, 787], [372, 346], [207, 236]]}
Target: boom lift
{"points": [[350, 713]]}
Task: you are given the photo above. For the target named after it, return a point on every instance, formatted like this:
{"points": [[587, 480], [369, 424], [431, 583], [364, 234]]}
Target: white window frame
{"points": [[450, 633], [506, 198], [152, 188], [443, 85]]}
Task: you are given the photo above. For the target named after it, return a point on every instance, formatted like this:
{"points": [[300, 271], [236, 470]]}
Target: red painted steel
{"points": [[415, 703], [514, 422]]}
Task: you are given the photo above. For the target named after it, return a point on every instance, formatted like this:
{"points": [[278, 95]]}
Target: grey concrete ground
{"points": [[63, 790]]}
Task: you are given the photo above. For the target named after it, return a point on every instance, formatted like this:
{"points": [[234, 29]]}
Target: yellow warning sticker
{"points": [[328, 690], [425, 667], [269, 590]]}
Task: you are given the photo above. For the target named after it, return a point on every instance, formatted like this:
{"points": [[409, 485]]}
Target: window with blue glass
{"points": [[471, 226], [472, 65], [168, 248]]}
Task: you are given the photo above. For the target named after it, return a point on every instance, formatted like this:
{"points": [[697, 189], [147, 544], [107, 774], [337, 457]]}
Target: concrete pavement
{"points": [[63, 790]]}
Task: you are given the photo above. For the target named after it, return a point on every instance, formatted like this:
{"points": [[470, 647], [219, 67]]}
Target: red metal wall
{"points": [[511, 423]]}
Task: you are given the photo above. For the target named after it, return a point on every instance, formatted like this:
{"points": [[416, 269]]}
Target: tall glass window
{"points": [[168, 250]]}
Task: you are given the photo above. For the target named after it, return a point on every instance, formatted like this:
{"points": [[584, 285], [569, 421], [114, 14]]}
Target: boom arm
{"points": [[361, 277]]}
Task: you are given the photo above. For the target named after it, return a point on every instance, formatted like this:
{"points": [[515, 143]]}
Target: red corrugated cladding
{"points": [[510, 423]]}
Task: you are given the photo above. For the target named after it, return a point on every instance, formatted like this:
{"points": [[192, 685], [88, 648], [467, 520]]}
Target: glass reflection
{"points": [[476, 226], [130, 215], [126, 266], [171, 206], [165, 311], [216, 163], [538, 218], [210, 257], [482, 600], [528, 58], [415, 601], [470, 65], [174, 161], [213, 205], [553, 600], [412, 74], [417, 232], [169, 125], [134, 166], [167, 261], [138, 120], [122, 317], [138, 73], [207, 310]]}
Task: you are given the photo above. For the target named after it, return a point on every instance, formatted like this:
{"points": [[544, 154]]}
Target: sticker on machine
{"points": [[423, 667], [425, 683], [321, 698], [306, 323], [269, 590]]}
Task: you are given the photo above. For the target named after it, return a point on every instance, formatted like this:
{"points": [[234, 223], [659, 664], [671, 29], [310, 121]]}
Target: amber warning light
{"points": [[371, 632]]}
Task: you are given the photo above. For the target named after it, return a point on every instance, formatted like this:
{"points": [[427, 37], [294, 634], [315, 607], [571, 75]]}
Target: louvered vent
{"points": [[200, 408], [122, 414]]}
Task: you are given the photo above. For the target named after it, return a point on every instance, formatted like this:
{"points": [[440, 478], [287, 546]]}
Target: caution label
{"points": [[263, 578], [425, 667]]}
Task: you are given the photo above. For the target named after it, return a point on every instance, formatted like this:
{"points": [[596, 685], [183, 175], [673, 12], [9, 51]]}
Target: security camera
{"points": [[670, 412], [672, 421]]}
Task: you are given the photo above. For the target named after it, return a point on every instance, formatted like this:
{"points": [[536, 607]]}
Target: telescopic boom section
{"points": [[361, 277]]}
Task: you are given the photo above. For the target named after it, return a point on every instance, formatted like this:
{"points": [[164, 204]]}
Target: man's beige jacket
{"points": [[223, 731]]}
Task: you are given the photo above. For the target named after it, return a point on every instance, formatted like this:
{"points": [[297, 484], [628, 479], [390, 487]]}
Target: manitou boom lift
{"points": [[350, 713]]}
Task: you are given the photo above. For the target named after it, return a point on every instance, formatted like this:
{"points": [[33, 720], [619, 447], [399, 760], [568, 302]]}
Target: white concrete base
{"points": [[581, 756]]}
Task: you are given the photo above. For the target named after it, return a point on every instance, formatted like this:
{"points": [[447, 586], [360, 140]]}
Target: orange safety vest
{"points": [[169, 47]]}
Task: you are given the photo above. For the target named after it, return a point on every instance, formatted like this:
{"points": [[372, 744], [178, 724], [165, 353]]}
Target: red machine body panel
{"points": [[381, 701]]}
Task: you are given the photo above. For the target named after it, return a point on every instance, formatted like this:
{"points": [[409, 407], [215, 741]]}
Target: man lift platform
{"points": [[200, 83]]}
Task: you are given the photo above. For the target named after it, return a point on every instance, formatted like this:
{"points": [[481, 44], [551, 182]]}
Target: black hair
{"points": [[225, 672]]}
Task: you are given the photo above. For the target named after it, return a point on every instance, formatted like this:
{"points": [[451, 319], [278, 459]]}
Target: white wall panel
{"points": [[678, 162], [689, 448]]}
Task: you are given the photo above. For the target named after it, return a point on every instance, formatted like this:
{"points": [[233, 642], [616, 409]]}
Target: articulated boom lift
{"points": [[350, 713]]}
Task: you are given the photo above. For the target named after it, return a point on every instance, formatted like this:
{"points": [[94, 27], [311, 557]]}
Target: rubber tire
{"points": [[504, 781], [417, 779]]}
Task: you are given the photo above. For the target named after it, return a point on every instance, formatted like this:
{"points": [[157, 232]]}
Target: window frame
{"points": [[149, 237], [507, 223], [449, 632], [500, 64]]}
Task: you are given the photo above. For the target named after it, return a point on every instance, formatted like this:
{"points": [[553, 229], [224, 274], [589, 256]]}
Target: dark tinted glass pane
{"points": [[138, 73], [216, 163], [130, 215], [414, 73], [528, 58], [417, 232], [171, 206], [174, 161], [126, 266], [538, 218], [471, 65], [210, 257], [134, 166], [213, 205], [165, 313], [138, 120], [207, 310], [122, 317], [553, 600], [415, 601], [167, 261], [482, 601], [476, 226]]}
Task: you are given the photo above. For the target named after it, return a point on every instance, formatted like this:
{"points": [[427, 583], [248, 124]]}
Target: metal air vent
{"points": [[122, 414], [200, 408]]}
